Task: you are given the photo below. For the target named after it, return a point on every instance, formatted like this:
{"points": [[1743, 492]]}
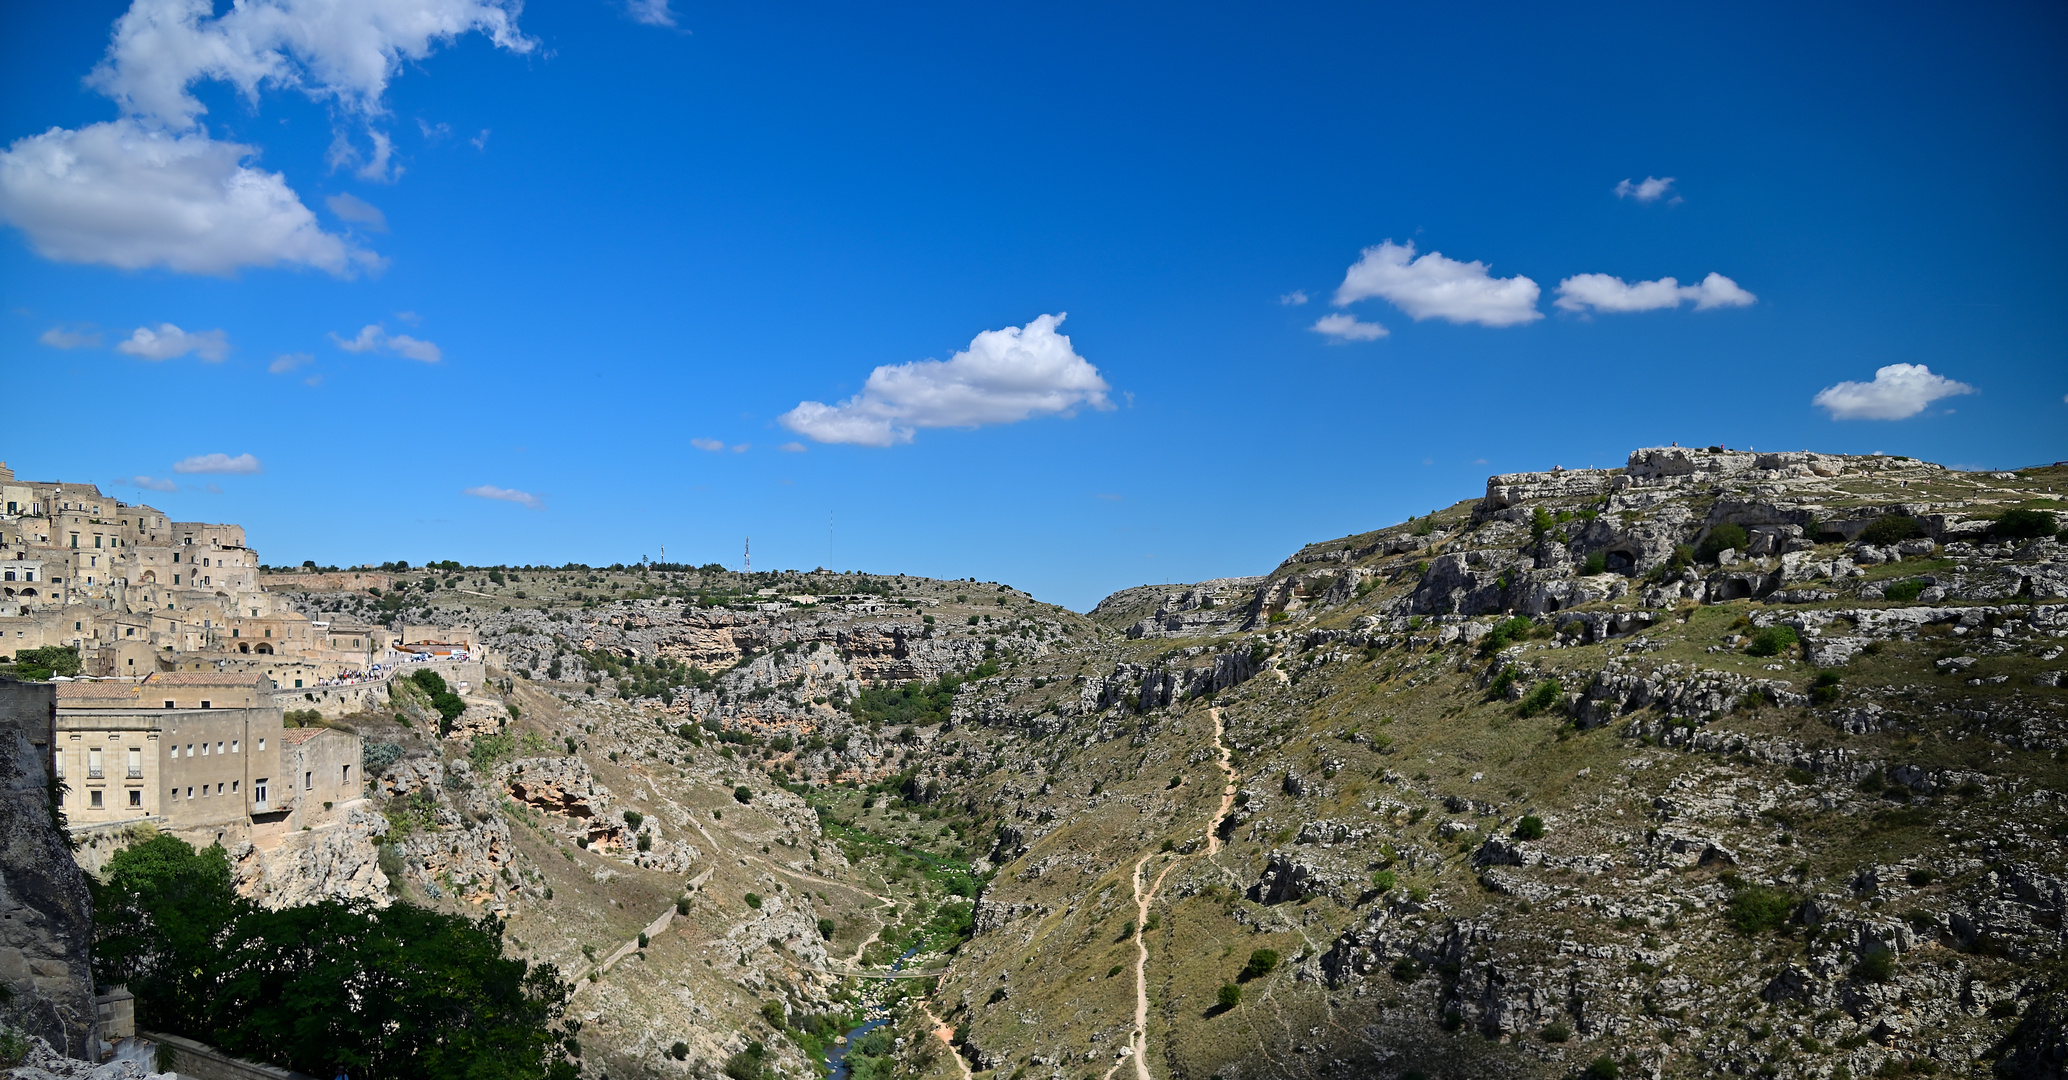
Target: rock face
{"points": [[46, 915]]}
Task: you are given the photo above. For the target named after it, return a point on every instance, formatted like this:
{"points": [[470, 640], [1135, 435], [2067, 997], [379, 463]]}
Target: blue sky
{"points": [[602, 237]]}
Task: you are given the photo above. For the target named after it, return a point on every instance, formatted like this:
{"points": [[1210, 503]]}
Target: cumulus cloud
{"points": [[153, 189], [344, 51], [151, 483], [287, 362], [712, 445], [373, 336], [1434, 287], [76, 337], [1650, 189], [650, 12], [1603, 292], [241, 465], [352, 208], [1294, 298], [127, 195], [1348, 328], [522, 498], [168, 342], [1898, 391], [1005, 376]]}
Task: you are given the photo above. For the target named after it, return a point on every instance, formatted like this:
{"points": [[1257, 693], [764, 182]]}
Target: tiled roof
{"points": [[209, 678]]}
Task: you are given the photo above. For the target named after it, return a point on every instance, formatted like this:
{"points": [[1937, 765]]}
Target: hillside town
{"points": [[188, 670]]}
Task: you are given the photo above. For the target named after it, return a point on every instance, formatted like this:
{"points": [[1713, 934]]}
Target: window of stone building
{"points": [[170, 705], [93, 799], [204, 703], [346, 778], [233, 746], [57, 763], [136, 797], [93, 762], [262, 746], [233, 787], [204, 749], [218, 747], [190, 793], [308, 781], [136, 763]]}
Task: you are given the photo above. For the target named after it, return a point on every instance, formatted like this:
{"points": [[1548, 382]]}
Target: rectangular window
{"points": [[262, 746], [93, 763], [233, 746], [190, 749], [190, 792], [170, 705], [233, 787], [136, 763], [93, 798], [57, 763], [204, 749], [347, 777], [204, 703], [258, 792], [136, 798], [218, 747], [308, 781]]}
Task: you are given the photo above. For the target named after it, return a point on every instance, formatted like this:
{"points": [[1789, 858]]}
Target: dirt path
{"points": [[946, 1034], [1138, 1039]]}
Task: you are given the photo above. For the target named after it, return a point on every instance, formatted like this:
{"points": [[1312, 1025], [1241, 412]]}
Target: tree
{"points": [[1229, 996], [1725, 536], [394, 992], [1261, 963]]}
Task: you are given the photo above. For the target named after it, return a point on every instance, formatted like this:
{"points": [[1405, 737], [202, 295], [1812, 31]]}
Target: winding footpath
{"points": [[1138, 1039]]}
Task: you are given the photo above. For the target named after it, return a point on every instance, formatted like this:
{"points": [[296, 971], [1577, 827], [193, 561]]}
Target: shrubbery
{"points": [[1773, 640], [1905, 591], [1755, 909], [1725, 536], [1892, 529], [395, 991], [1531, 827], [1261, 963], [1544, 696], [2022, 524]]}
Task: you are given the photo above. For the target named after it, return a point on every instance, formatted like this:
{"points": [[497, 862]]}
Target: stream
{"points": [[836, 1057]]}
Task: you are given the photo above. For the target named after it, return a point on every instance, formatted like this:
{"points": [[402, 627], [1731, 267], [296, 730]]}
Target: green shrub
{"points": [[2022, 524], [1230, 995], [1891, 529], [1557, 1031], [633, 818], [1384, 881], [1505, 633], [1543, 697], [1261, 963], [1406, 970], [1531, 827], [826, 929], [772, 1011], [1773, 641], [1726, 535], [1603, 1068], [754, 901], [1903, 592], [1596, 563], [1824, 688], [1879, 965], [679, 1051], [742, 794], [1755, 909], [1502, 683]]}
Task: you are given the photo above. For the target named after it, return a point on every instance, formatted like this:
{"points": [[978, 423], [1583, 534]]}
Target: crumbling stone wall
{"points": [[46, 914]]}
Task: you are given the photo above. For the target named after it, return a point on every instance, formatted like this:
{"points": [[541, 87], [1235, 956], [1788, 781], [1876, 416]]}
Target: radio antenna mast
{"points": [[747, 556]]}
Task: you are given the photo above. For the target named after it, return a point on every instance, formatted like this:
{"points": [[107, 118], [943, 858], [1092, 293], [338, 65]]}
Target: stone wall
{"points": [[341, 581], [46, 915]]}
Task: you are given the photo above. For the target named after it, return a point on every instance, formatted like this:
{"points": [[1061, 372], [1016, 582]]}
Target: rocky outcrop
{"points": [[46, 914]]}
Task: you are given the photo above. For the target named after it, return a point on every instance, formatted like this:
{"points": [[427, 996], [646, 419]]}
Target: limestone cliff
{"points": [[46, 914]]}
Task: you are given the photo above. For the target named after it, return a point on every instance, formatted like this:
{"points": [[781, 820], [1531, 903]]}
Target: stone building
{"points": [[183, 752]]}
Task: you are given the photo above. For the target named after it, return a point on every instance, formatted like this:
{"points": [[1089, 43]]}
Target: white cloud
{"points": [[1294, 298], [1348, 328], [1897, 392], [1433, 287], [59, 337], [1005, 376], [345, 51], [742, 448], [650, 12], [1649, 190], [169, 341], [792, 448], [521, 498], [151, 483], [286, 362], [126, 195], [349, 207], [1603, 292], [373, 336], [241, 465], [712, 445], [153, 189], [480, 141]]}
